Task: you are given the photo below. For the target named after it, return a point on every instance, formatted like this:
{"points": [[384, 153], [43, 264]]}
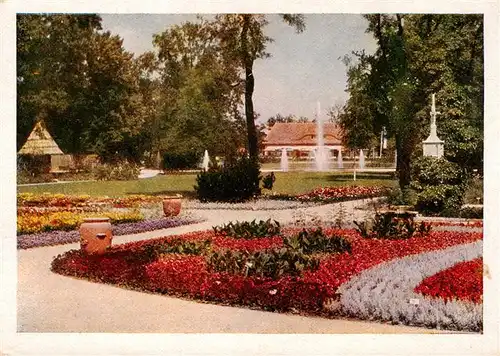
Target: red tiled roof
{"points": [[302, 133]]}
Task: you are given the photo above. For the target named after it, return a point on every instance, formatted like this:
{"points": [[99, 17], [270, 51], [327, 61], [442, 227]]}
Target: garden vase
{"points": [[95, 235], [172, 205]]}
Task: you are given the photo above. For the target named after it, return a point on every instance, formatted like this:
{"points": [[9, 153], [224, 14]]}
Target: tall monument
{"points": [[433, 146]]}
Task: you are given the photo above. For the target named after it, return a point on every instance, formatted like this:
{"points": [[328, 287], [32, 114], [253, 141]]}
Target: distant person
{"points": [[269, 181]]}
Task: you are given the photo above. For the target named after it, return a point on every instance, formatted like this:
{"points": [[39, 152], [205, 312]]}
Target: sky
{"points": [[303, 68]]}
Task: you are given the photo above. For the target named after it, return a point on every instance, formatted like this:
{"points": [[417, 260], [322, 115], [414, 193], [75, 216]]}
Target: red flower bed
{"points": [[131, 264], [463, 281], [331, 194], [367, 253], [451, 223], [177, 274], [284, 294]]}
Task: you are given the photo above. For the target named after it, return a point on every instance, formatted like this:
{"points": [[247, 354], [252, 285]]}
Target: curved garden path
{"points": [[48, 302]]}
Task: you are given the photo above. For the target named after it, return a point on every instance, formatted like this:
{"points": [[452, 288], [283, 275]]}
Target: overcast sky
{"points": [[304, 68]]}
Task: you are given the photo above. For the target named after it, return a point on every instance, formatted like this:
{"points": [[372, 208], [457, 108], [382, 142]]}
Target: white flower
{"points": [[273, 291]]}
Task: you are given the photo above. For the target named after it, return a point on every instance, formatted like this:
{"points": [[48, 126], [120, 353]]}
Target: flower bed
{"points": [[337, 194], [67, 201], [386, 291], [456, 223], [191, 276], [463, 281], [43, 221], [51, 238], [259, 204]]}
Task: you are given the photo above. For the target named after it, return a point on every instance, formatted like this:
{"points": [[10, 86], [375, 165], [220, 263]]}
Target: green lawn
{"points": [[286, 183]]}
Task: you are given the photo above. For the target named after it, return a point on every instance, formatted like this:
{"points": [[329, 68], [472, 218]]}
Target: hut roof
{"points": [[40, 142], [302, 133]]}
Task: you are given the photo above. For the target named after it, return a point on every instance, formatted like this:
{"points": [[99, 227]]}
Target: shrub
{"points": [[181, 160], [392, 226], [234, 183], [249, 230], [439, 184], [467, 212], [474, 192], [180, 246], [406, 196], [314, 241], [117, 171], [269, 263]]}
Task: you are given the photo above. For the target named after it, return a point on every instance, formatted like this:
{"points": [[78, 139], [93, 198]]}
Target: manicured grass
{"points": [[286, 183], [169, 184]]}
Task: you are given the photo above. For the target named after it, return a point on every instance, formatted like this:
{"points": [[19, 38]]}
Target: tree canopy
{"points": [[418, 55], [81, 81]]}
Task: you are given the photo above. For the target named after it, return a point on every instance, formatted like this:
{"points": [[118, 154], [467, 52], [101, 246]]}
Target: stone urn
{"points": [[172, 205], [95, 235]]}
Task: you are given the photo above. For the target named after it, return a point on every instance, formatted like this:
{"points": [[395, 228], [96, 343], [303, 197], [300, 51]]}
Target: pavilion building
{"points": [[300, 139]]}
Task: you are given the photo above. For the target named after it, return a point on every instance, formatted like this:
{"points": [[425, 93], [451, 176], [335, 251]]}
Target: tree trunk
{"points": [[403, 163], [253, 148]]}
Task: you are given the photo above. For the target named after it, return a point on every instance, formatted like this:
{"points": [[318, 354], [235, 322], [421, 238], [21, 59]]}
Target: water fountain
{"points": [[284, 160], [361, 160], [206, 161], [340, 164], [321, 154]]}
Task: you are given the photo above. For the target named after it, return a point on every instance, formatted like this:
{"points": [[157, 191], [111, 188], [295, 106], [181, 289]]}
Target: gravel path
{"points": [[47, 302]]}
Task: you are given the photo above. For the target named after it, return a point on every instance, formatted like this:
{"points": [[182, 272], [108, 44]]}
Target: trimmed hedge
{"points": [[235, 183], [440, 185]]}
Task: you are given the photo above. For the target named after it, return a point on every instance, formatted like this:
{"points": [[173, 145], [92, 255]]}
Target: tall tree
{"points": [[200, 90], [418, 55], [242, 37], [50, 61], [82, 82]]}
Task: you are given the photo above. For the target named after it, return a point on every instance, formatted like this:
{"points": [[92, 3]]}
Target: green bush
{"points": [[471, 213], [440, 185], [467, 212], [406, 196], [181, 160], [233, 183], [314, 241], [249, 230], [474, 192], [269, 263], [117, 171], [392, 226]]}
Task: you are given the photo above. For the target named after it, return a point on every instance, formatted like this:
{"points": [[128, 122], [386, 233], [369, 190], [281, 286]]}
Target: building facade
{"points": [[300, 139]]}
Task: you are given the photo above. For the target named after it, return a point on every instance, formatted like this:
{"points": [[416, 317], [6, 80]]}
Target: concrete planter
{"points": [[95, 235], [172, 205]]}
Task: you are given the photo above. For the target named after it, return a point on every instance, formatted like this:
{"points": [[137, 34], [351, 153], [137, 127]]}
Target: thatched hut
{"points": [[40, 149]]}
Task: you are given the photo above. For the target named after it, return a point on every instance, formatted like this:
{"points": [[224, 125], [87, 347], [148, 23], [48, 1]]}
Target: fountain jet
{"points": [[284, 160], [321, 154], [206, 161]]}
